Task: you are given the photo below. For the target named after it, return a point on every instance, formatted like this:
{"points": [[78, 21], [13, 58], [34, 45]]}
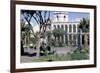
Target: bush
{"points": [[61, 44], [78, 55]]}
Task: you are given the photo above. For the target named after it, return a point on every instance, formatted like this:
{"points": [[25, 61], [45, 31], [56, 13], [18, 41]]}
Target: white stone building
{"points": [[61, 20]]}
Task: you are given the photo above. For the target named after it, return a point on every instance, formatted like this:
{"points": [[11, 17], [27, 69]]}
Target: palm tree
{"points": [[41, 18], [48, 34], [22, 36], [25, 34], [27, 17], [84, 25]]}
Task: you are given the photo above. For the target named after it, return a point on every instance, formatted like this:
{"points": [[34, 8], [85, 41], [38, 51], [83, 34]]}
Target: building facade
{"points": [[60, 20]]}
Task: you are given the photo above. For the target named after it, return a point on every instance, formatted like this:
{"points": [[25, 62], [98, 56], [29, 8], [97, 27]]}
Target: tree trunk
{"points": [[38, 44], [85, 42]]}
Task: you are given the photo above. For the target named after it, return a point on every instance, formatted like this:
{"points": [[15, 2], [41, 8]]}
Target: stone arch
{"points": [[70, 28], [58, 26], [66, 28], [74, 28]]}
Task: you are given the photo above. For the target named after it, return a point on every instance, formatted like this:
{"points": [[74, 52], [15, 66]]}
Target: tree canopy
{"points": [[84, 25], [58, 32]]}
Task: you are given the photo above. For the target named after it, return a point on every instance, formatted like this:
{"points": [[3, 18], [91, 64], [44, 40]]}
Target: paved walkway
{"points": [[59, 50], [26, 59], [64, 50]]}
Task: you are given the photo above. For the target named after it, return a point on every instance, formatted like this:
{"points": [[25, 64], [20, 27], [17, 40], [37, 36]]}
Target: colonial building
{"points": [[60, 20]]}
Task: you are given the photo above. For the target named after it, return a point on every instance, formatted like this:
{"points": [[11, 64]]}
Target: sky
{"points": [[74, 15]]}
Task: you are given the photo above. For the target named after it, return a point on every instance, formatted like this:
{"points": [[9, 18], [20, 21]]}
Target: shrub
{"points": [[78, 55]]}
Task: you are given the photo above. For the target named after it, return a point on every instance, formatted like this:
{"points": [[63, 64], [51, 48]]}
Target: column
{"points": [[60, 36], [64, 34], [64, 38], [68, 39], [76, 40], [68, 33], [76, 28], [72, 34], [76, 34], [68, 28], [80, 37], [72, 27]]}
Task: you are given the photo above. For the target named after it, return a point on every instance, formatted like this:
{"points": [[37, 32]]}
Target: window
{"points": [[66, 28], [58, 27], [70, 38], [74, 39], [62, 37], [57, 18], [66, 39], [64, 16], [74, 28], [70, 28], [54, 26], [62, 27]]}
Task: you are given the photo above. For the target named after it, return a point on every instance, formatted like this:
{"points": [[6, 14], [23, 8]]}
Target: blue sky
{"points": [[72, 16]]}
